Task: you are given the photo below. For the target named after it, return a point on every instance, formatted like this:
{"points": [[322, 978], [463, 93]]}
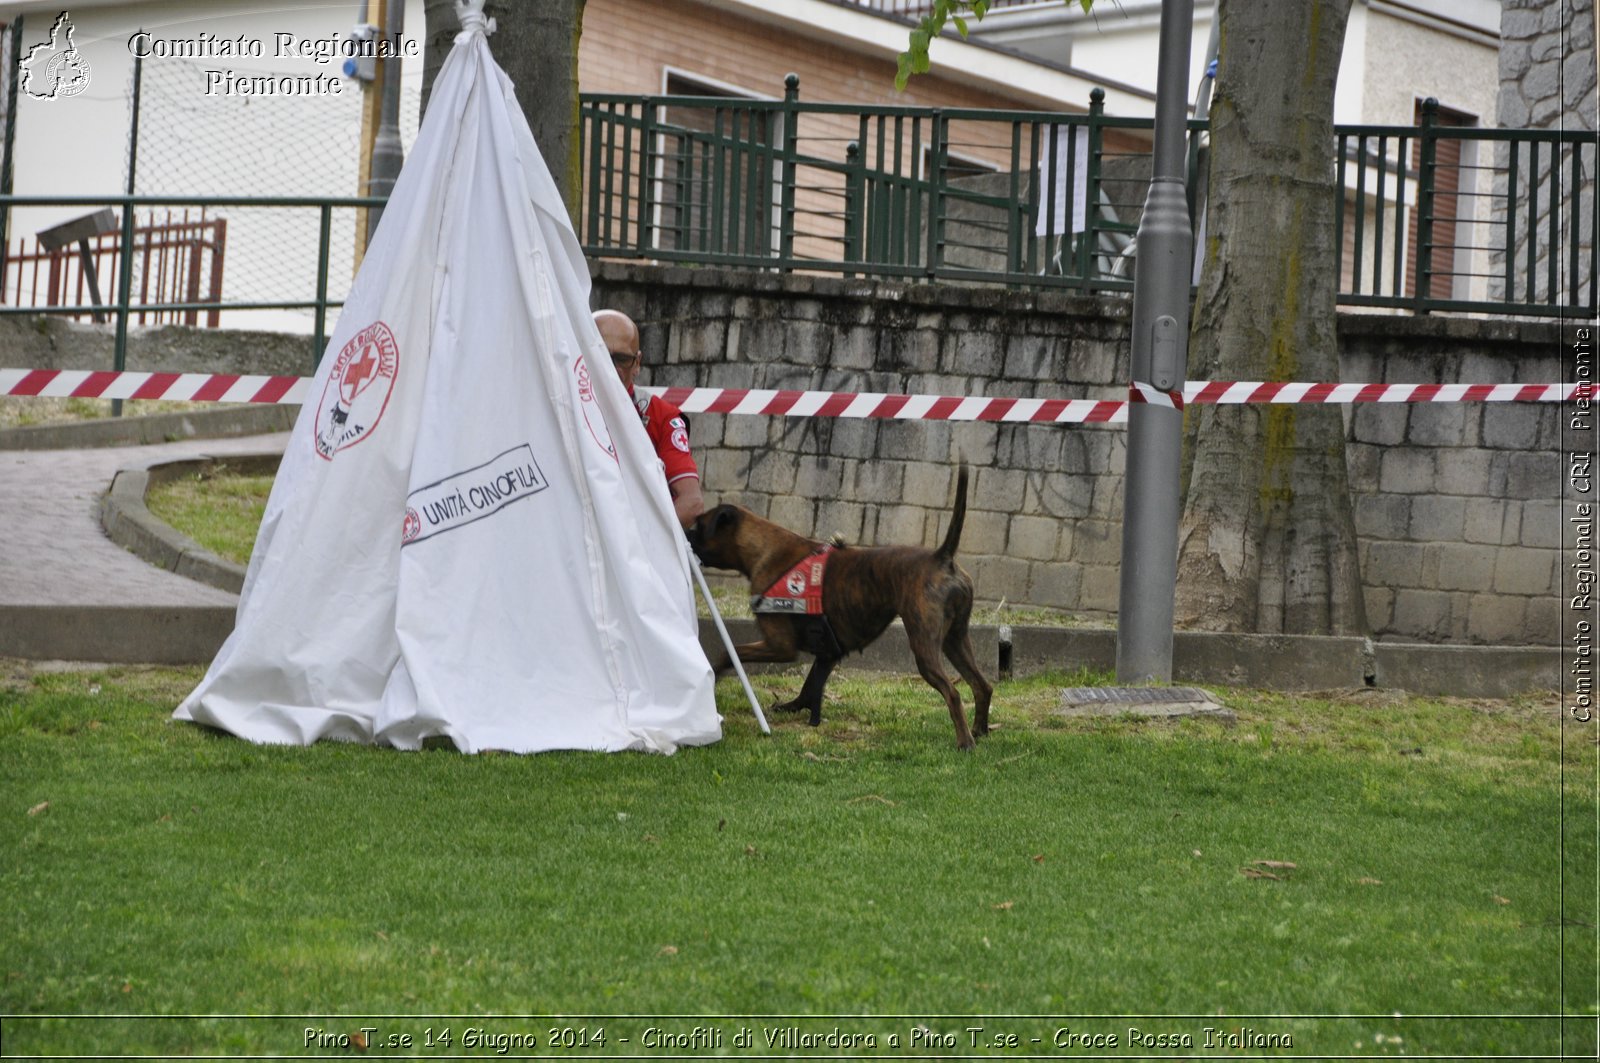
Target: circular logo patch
{"points": [[591, 411], [412, 527], [357, 390]]}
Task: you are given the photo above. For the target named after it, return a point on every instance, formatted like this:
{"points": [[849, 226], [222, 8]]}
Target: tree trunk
{"points": [[537, 45], [1267, 542]]}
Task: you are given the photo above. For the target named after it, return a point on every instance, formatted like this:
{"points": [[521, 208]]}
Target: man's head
{"points": [[621, 338]]}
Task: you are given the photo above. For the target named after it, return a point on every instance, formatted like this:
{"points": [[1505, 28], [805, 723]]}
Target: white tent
{"points": [[470, 535]]}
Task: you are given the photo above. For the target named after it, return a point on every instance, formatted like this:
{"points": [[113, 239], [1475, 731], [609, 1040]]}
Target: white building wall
{"points": [[1406, 62]]}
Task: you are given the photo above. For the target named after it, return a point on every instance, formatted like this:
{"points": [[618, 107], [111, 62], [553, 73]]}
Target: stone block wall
{"points": [[1456, 504], [1044, 503], [1547, 81]]}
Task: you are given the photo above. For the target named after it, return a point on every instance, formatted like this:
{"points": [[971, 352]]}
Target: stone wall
{"points": [[1456, 504], [1547, 81]]}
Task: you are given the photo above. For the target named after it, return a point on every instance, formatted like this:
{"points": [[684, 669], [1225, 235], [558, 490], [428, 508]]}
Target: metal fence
{"points": [[1015, 197], [1438, 217], [177, 260], [127, 304], [1433, 217]]}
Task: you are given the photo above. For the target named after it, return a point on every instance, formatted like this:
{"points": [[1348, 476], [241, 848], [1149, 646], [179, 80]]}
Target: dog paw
{"points": [[788, 706]]}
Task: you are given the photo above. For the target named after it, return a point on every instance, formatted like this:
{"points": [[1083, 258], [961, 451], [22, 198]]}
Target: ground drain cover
{"points": [[1166, 703]]}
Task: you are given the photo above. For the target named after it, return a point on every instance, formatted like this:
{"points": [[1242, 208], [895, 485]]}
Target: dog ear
{"points": [[724, 518]]}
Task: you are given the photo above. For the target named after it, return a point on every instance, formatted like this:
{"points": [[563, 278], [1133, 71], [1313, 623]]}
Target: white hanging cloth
{"points": [[470, 535]]}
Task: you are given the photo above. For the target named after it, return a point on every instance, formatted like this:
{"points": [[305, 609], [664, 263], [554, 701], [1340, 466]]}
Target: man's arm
{"points": [[686, 499]]}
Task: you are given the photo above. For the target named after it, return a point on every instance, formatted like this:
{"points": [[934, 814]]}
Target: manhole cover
{"points": [[1154, 702]]}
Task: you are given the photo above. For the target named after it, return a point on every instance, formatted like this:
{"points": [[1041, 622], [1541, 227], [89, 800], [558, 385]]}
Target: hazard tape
{"points": [[1090, 411], [182, 387], [222, 387], [1151, 395]]}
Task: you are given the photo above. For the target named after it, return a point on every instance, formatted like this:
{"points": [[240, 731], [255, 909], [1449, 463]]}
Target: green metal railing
{"points": [[1433, 217], [884, 190], [1451, 218]]}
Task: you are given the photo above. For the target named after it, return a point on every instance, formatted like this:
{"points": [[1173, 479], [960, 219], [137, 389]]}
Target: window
{"points": [[716, 171]]}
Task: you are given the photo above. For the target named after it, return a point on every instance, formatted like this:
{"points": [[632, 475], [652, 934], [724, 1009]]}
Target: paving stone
{"points": [[56, 552], [1156, 703]]}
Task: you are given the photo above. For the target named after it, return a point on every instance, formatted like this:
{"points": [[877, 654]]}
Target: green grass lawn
{"points": [[1068, 868], [219, 509]]}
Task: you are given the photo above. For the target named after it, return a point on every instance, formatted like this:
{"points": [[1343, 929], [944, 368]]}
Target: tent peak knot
{"points": [[470, 13]]}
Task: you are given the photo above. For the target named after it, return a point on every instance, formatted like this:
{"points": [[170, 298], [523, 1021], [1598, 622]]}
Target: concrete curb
{"points": [[1267, 662], [115, 634], [129, 523], [225, 423], [187, 635]]}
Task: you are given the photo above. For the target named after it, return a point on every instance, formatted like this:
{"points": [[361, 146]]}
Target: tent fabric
{"points": [[470, 535]]}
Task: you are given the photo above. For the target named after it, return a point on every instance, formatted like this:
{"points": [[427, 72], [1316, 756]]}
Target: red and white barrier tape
{"points": [[205, 387], [1089, 411], [190, 387]]}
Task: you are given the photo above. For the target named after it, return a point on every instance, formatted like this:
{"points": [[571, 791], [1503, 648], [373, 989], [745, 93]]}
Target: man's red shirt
{"points": [[667, 429]]}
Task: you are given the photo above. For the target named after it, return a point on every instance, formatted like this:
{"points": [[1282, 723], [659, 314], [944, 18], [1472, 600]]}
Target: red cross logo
{"points": [[358, 374]]}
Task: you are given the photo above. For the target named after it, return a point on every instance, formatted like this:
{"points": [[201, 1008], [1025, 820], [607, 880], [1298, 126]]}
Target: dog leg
{"points": [[932, 672], [810, 696], [777, 646], [958, 647], [750, 653]]}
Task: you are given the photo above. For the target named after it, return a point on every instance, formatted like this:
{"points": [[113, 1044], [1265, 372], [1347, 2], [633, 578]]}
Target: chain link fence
{"points": [[211, 144]]}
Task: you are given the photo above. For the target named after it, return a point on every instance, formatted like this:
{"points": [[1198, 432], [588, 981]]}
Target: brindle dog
{"points": [[865, 589]]}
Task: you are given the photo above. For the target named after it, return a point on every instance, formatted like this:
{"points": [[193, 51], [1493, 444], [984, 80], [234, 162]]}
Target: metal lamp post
{"points": [[1160, 354]]}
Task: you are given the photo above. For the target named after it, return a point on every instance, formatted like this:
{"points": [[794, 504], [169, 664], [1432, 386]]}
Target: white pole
{"points": [[716, 617]]}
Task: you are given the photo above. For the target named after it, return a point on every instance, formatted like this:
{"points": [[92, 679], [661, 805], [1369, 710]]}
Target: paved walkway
{"points": [[56, 553]]}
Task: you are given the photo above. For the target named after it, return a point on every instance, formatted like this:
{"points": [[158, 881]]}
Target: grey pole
{"points": [[13, 75], [387, 154], [1150, 506], [119, 351]]}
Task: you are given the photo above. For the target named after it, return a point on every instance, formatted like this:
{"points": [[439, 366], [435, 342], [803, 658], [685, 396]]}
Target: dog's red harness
{"points": [[798, 592]]}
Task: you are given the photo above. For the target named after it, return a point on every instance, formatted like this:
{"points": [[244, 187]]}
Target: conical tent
{"points": [[469, 535]]}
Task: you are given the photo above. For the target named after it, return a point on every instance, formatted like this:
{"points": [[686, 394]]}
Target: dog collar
{"points": [[798, 592]]}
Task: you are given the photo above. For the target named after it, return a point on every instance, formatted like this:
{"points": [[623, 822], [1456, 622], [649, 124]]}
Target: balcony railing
{"points": [[1432, 217], [918, 8]]}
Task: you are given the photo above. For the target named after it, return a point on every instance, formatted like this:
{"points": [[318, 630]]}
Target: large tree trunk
{"points": [[537, 44], [1267, 542]]}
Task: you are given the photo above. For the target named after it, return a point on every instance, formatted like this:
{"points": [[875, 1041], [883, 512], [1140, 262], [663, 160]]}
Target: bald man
{"points": [[662, 421]]}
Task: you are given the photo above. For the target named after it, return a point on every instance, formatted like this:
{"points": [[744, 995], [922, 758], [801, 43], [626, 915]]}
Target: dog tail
{"points": [[958, 515]]}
